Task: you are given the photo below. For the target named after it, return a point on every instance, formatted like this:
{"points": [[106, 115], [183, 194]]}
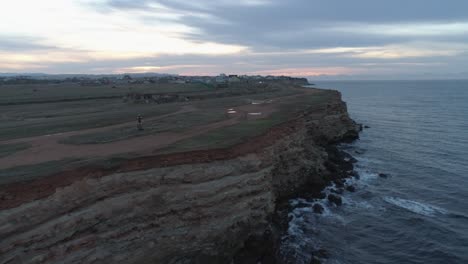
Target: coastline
{"points": [[267, 247], [258, 176]]}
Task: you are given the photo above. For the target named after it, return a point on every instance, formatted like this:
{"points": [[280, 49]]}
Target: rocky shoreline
{"points": [[265, 248], [213, 206]]}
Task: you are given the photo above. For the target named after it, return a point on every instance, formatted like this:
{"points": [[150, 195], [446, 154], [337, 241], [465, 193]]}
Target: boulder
{"points": [[383, 175], [350, 188], [321, 195], [354, 174], [335, 199], [318, 208]]}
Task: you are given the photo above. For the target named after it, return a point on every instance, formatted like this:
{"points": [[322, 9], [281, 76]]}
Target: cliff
{"points": [[196, 207]]}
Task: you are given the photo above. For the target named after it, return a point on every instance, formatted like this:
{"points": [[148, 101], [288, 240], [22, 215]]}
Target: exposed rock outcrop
{"points": [[335, 199], [203, 207]]}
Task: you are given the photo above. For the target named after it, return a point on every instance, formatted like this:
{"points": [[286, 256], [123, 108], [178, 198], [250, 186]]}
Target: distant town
{"points": [[219, 81]]}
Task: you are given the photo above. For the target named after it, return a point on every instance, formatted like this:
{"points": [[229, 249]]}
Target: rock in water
{"points": [[318, 208], [354, 174], [351, 188], [335, 199], [383, 175]]}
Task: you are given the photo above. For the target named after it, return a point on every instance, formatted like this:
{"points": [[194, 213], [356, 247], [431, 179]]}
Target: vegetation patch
{"points": [[232, 135], [176, 123], [223, 137], [62, 117]]}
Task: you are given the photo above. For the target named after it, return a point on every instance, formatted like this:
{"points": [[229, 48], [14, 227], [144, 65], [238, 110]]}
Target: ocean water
{"points": [[418, 135]]}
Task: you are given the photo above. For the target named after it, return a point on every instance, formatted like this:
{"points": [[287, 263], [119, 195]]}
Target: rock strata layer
{"points": [[198, 207]]}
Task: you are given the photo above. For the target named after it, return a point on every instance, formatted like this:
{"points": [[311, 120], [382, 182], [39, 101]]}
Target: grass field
{"points": [[40, 118], [211, 110], [47, 93], [176, 123], [29, 111], [235, 134], [19, 121]]}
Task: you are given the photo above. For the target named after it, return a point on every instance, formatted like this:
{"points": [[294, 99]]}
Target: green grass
{"points": [[24, 112], [36, 93], [34, 120], [78, 115], [232, 135], [223, 137], [212, 110], [176, 123], [9, 149]]}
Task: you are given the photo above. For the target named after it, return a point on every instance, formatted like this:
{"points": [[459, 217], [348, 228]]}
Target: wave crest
{"points": [[415, 207]]}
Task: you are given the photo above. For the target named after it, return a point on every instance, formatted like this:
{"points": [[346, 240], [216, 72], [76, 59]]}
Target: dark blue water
{"points": [[418, 135]]}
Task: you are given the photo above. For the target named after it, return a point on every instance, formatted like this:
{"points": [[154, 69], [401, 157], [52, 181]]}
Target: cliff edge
{"points": [[205, 206]]}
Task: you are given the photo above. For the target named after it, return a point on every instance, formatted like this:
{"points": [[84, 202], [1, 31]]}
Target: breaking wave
{"points": [[415, 207]]}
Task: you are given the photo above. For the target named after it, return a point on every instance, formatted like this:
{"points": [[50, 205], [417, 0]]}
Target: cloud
{"points": [[18, 44], [314, 23], [298, 37]]}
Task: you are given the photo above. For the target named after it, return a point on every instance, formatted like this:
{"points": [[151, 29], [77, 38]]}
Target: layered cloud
{"points": [[297, 37]]}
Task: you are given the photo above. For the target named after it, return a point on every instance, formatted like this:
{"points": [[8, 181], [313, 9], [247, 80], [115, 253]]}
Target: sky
{"points": [[319, 39]]}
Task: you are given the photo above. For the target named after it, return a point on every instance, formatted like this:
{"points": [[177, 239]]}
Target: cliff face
{"points": [[198, 212]]}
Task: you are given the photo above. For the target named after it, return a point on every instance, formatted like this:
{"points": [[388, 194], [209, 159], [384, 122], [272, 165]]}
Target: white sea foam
{"points": [[296, 239], [359, 204], [366, 176], [415, 207]]}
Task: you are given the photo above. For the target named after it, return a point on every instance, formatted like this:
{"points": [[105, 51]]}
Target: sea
{"points": [[417, 137]]}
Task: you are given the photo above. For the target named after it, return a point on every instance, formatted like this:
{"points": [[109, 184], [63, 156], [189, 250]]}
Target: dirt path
{"points": [[58, 136], [47, 147]]}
